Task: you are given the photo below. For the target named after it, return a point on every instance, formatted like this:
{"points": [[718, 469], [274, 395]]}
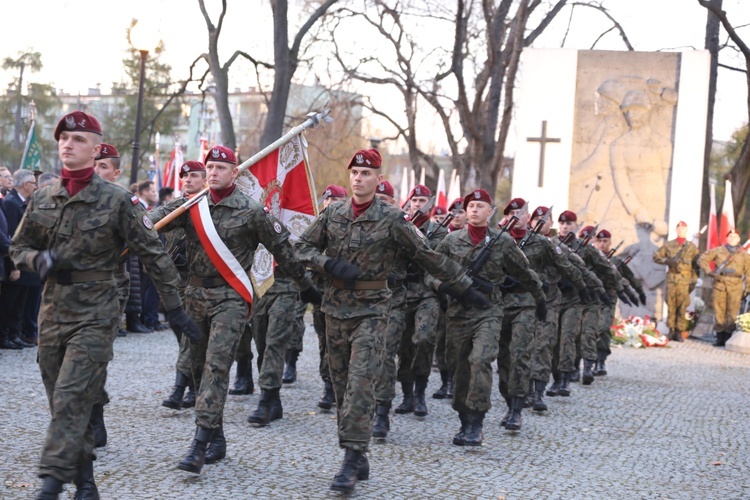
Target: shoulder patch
{"points": [[277, 226], [147, 222], [558, 249], [134, 200]]}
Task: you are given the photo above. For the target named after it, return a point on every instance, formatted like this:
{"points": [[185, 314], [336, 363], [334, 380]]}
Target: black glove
{"points": [[181, 323], [623, 297], [642, 296], [606, 299], [586, 297], [311, 295], [473, 298], [341, 269], [541, 310], [449, 290], [44, 262], [632, 297]]}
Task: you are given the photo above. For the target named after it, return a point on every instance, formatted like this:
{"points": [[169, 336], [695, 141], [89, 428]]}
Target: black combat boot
{"points": [[193, 462], [7, 343], [678, 336], [347, 477], [382, 420], [84, 481], [539, 404], [460, 438], [363, 473], [601, 364], [407, 405], [133, 324], [420, 405], [51, 489], [328, 399], [721, 339], [97, 422], [565, 384], [449, 394], [174, 401], [514, 421], [554, 389], [290, 372], [442, 393], [576, 377], [189, 401], [269, 408], [474, 435], [588, 372], [528, 401], [507, 413], [243, 381], [217, 448]]}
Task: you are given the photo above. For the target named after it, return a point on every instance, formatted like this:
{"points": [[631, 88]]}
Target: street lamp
{"points": [[144, 39]]}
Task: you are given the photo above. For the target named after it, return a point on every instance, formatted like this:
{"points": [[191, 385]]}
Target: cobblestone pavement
{"points": [[665, 423]]}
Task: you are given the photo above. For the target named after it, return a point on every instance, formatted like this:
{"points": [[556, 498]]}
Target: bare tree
{"points": [[32, 61]]}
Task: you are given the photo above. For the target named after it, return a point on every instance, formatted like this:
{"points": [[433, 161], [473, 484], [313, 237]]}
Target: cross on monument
{"points": [[543, 140]]}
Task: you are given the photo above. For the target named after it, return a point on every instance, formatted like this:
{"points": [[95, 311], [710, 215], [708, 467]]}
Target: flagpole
{"points": [[313, 120], [32, 113]]}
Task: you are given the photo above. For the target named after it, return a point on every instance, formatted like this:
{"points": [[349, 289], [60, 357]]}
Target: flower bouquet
{"points": [[693, 313], [637, 332], [743, 322]]}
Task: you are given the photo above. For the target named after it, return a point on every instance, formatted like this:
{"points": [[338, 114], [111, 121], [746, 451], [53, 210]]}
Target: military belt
{"points": [[70, 277], [214, 282], [360, 285]]}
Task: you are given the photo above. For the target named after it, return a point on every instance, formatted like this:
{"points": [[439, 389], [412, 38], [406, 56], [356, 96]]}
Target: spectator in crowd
{"points": [[165, 194], [6, 181], [47, 178]]}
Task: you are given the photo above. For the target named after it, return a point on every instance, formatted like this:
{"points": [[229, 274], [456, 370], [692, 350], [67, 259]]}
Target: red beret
{"points": [[420, 190], [567, 216], [369, 158], [192, 166], [334, 191], [603, 234], [682, 223], [107, 151], [477, 195], [540, 211], [386, 188], [439, 211], [515, 204], [586, 231], [220, 153], [77, 121], [457, 203]]}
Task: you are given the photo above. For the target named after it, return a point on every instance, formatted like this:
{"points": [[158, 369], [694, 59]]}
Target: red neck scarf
{"points": [[477, 233], [681, 241], [75, 180], [359, 209], [518, 233], [452, 228], [219, 194]]}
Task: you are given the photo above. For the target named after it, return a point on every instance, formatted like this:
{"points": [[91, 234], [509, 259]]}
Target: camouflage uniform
{"points": [[356, 320], [475, 334], [296, 340], [219, 311], [385, 385], [80, 307], [175, 244], [680, 278], [727, 290], [607, 315]]}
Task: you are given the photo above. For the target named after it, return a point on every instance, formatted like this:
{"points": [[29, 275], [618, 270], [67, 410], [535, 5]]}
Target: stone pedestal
{"points": [[740, 342]]}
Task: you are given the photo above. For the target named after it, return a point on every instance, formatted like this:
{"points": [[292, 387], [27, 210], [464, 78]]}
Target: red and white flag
{"points": [[403, 190], [442, 196], [283, 183], [203, 149], [172, 170], [713, 224], [727, 213]]}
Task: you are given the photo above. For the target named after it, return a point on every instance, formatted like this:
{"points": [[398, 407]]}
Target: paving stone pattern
{"points": [[665, 423]]}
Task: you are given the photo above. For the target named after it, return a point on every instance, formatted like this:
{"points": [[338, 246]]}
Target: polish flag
{"points": [[727, 213], [403, 190], [455, 189], [203, 150], [442, 198], [172, 170], [713, 226]]}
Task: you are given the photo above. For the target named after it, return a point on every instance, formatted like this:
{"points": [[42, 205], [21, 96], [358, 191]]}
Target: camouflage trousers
{"points": [[221, 315], [245, 349], [514, 354], [727, 299], [442, 349], [123, 292], [184, 364], [298, 331], [385, 385], [418, 341], [590, 330], [606, 317], [475, 345], [319, 324], [273, 322], [564, 355], [678, 300], [355, 355], [73, 360], [545, 341]]}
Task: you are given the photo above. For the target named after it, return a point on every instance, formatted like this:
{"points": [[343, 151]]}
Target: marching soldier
{"points": [[218, 301], [732, 268], [73, 233], [678, 255], [475, 334], [355, 243], [459, 215]]}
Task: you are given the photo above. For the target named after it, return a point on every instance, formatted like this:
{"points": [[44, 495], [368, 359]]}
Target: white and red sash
{"points": [[226, 263]]}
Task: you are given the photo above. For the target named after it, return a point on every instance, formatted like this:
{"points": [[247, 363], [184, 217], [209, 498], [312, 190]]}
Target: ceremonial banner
{"points": [[727, 213], [713, 223], [32, 155], [442, 199], [282, 182]]}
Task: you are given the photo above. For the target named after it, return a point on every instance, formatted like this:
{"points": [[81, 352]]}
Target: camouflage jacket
{"points": [[551, 264], [682, 271], [598, 263], [740, 263], [627, 274], [371, 242], [242, 224], [592, 281], [505, 259], [89, 232], [416, 287]]}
